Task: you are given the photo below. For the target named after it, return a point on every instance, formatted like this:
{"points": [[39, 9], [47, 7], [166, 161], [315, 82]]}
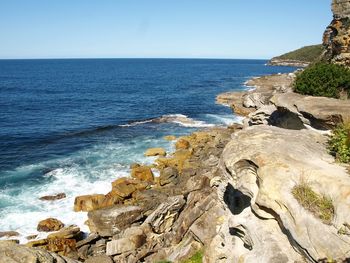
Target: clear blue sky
{"points": [[159, 28]]}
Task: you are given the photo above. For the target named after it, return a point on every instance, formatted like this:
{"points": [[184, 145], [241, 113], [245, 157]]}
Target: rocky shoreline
{"points": [[226, 193], [288, 63]]}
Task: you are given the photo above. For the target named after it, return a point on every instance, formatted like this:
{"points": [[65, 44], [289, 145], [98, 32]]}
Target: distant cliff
{"points": [[299, 58], [336, 38]]}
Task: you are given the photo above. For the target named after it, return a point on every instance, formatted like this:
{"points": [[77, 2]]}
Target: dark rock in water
{"points": [[9, 234], [53, 197], [31, 237], [50, 224]]}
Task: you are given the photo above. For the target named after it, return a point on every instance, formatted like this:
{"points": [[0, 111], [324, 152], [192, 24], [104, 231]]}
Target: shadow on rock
{"points": [[235, 200]]}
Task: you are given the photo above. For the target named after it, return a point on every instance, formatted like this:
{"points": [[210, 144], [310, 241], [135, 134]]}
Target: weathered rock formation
{"points": [[336, 38], [273, 102], [266, 221], [13, 253]]}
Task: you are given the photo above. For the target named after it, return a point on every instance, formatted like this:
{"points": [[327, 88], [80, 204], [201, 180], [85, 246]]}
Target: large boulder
{"points": [[124, 187], [179, 160], [12, 253], [143, 173], [126, 244], [162, 219], [110, 221], [168, 175], [88, 203], [318, 112], [49, 225]]}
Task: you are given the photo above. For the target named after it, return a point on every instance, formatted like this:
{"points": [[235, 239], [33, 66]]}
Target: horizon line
{"points": [[179, 58]]}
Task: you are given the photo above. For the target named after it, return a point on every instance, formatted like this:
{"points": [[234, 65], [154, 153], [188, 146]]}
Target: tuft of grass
{"points": [[339, 143], [196, 258], [320, 205]]}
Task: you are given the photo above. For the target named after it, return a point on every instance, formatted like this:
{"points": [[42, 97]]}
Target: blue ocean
{"points": [[75, 125]]}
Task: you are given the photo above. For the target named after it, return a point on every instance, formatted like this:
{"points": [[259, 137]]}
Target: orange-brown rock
{"points": [[182, 144], [37, 243], [88, 203], [50, 224], [124, 187], [143, 173], [155, 152], [179, 160], [62, 245]]}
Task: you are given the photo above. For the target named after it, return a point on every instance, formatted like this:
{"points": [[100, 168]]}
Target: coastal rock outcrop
{"points": [[318, 112], [273, 102], [336, 38], [262, 170], [12, 253], [50, 224]]}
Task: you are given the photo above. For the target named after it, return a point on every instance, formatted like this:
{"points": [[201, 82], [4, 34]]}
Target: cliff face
{"points": [[336, 38]]}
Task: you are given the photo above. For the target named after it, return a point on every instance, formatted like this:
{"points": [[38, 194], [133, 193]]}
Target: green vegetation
{"points": [[196, 258], [339, 144], [324, 79], [304, 54], [320, 205]]}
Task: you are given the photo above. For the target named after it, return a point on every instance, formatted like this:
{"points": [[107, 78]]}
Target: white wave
{"points": [[225, 119], [89, 171], [185, 121], [180, 119], [135, 123]]}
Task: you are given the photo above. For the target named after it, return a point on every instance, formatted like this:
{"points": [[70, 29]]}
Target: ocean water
{"points": [[74, 126]]}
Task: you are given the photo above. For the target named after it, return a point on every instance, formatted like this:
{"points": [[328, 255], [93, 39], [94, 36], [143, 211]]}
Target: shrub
{"points": [[320, 205], [323, 79], [339, 143]]}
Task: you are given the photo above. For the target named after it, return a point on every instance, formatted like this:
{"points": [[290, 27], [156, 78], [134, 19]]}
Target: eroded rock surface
{"points": [[263, 164], [336, 38]]}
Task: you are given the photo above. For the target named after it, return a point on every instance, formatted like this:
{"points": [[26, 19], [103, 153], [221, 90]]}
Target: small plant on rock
{"points": [[339, 143], [320, 205]]}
